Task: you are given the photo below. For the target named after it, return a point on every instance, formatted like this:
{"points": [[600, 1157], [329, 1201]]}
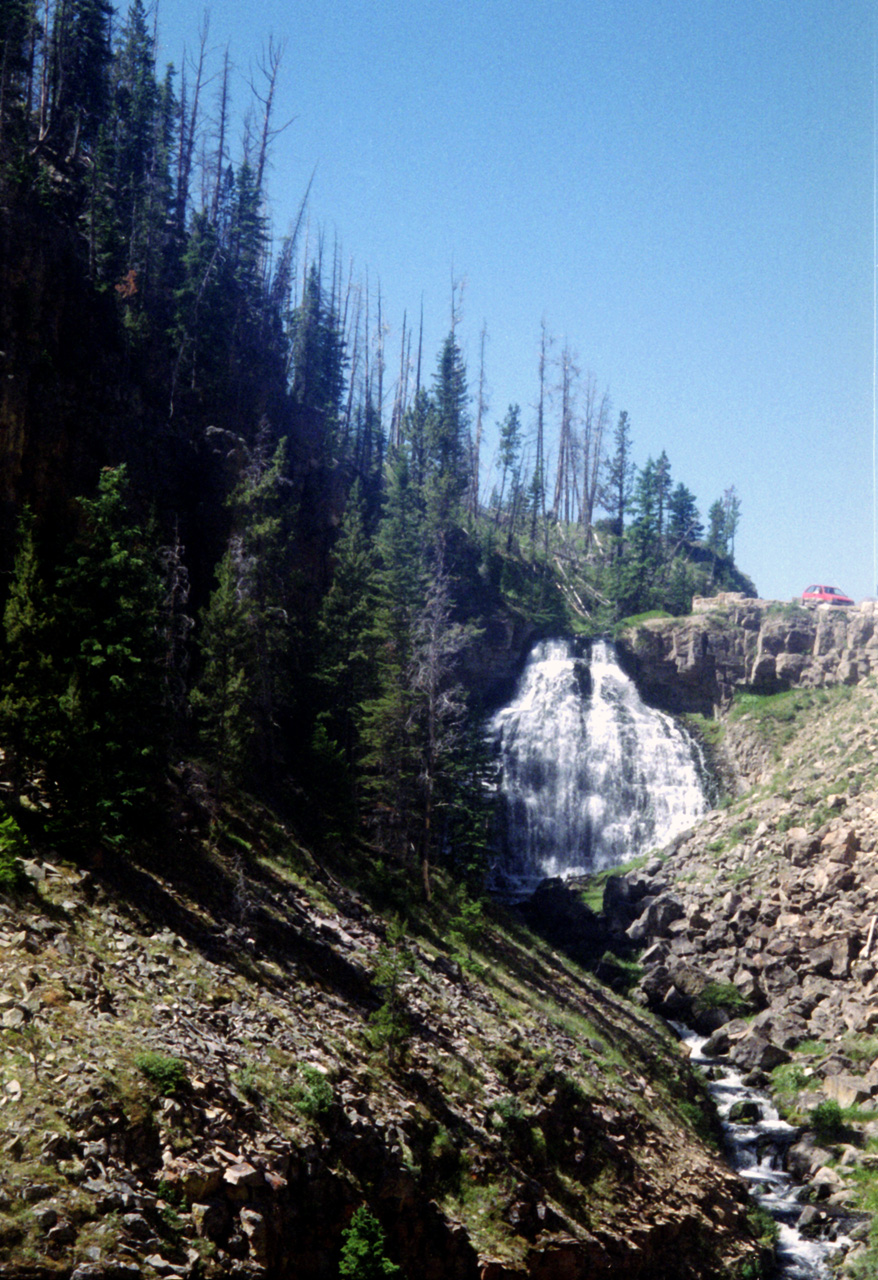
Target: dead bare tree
{"points": [[538, 510], [222, 123], [476, 443], [269, 67], [189, 124], [595, 424], [565, 475]]}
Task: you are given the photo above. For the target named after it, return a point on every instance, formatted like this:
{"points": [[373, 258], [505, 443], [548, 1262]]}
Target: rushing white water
{"points": [[757, 1150], [590, 775]]}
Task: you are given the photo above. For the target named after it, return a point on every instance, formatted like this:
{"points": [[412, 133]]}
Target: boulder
{"points": [[781, 1027], [754, 1051], [211, 1219], [255, 1229], [654, 921], [847, 1090], [747, 1111], [805, 1157]]}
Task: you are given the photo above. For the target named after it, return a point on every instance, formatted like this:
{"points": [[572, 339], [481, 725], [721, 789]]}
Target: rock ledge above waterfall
{"points": [[732, 642]]}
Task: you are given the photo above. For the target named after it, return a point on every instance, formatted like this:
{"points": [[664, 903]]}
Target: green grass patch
{"points": [[593, 893], [723, 995], [777, 716], [637, 619], [708, 730]]}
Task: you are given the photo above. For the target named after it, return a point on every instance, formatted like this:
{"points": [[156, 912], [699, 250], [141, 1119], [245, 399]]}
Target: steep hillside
{"points": [[762, 927], [212, 1056]]}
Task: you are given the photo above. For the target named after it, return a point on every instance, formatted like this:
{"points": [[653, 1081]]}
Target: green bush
{"points": [[362, 1252], [827, 1120], [314, 1094], [464, 931], [508, 1111], [763, 1226], [163, 1070], [12, 846], [389, 1027], [246, 1080]]}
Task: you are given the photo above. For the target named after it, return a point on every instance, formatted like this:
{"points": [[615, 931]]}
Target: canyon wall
{"points": [[730, 642]]}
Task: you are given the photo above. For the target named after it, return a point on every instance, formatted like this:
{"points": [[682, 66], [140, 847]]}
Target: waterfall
{"points": [[589, 775]]}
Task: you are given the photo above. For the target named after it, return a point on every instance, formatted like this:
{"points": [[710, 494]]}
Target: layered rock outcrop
{"points": [[730, 642]]}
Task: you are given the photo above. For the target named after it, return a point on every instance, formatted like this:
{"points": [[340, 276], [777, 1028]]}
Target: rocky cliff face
{"points": [[731, 642], [761, 926]]}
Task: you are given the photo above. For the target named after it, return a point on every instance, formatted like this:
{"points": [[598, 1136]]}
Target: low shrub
{"points": [[723, 995], [314, 1094], [163, 1070], [827, 1120], [12, 847]]}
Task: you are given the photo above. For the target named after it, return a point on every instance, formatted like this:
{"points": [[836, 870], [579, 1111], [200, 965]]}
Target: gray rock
{"points": [[45, 1216], [211, 1219], [654, 921], [754, 1051]]}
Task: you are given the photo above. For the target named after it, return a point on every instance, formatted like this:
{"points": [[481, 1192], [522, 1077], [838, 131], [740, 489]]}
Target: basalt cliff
{"points": [[731, 642]]}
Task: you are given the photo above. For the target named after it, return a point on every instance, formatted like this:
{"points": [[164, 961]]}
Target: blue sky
{"points": [[683, 189]]}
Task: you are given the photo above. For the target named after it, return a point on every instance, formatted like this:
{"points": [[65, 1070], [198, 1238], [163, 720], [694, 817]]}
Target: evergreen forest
{"points": [[238, 530]]}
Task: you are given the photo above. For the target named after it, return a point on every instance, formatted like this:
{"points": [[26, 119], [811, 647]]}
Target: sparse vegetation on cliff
{"points": [[222, 1085]]}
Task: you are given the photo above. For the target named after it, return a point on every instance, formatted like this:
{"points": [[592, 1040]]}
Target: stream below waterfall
{"points": [[757, 1141]]}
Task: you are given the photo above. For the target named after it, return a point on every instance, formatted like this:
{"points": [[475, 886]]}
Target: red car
{"points": [[825, 595]]}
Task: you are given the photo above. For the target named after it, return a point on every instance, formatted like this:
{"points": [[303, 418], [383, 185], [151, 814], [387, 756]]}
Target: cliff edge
{"points": [[731, 642]]}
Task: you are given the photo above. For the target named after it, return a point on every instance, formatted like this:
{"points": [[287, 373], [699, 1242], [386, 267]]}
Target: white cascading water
{"points": [[590, 775], [757, 1149]]}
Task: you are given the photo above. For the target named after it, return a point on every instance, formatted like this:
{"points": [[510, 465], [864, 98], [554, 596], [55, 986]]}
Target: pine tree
{"points": [[510, 446], [245, 633], [222, 698], [618, 477], [717, 533], [438, 710], [388, 728], [79, 84], [683, 522], [318, 369], [109, 597], [447, 427], [30, 681], [363, 1254], [18, 35], [201, 331], [82, 697], [136, 132], [732, 510], [262, 510], [662, 491], [345, 666]]}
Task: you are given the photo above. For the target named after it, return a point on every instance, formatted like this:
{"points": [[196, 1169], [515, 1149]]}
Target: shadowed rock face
{"points": [[730, 642]]}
